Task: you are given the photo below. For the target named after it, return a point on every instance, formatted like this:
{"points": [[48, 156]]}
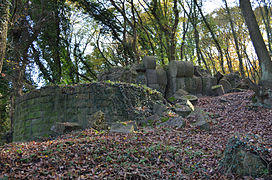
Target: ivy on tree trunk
{"points": [[4, 15]]}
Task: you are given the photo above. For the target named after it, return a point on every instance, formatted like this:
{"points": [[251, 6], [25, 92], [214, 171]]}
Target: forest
{"points": [[70, 42]]}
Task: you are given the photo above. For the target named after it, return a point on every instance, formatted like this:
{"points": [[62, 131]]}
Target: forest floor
{"points": [[150, 153]]}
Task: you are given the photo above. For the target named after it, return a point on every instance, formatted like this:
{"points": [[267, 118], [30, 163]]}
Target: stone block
{"points": [[124, 127], [151, 75], [149, 62], [161, 77], [197, 83], [182, 110], [207, 83], [226, 85], [218, 90], [200, 119], [181, 69], [189, 85], [192, 85], [176, 122], [171, 86]]}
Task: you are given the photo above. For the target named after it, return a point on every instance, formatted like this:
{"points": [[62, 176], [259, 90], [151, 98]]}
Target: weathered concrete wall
{"points": [[37, 111]]}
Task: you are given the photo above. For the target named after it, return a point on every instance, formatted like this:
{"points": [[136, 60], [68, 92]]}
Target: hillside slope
{"points": [[157, 153]]}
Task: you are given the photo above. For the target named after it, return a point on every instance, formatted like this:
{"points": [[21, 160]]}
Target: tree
{"points": [[218, 46], [263, 91], [4, 16], [241, 66], [257, 39], [167, 24]]}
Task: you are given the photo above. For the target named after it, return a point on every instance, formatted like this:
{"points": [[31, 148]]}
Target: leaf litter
{"points": [[150, 153]]}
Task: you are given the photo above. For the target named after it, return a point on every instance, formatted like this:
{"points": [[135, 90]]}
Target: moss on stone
{"points": [[216, 86], [164, 119]]}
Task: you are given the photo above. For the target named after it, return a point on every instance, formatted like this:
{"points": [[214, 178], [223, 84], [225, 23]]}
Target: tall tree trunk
{"points": [[169, 29], [57, 75], [266, 20], [213, 37], [185, 29], [241, 64], [229, 62], [257, 39], [4, 16]]}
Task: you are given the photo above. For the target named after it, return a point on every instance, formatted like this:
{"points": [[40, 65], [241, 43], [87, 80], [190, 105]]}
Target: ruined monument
{"points": [[120, 95], [37, 112]]}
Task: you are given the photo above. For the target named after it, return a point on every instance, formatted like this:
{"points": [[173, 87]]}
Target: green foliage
{"points": [[4, 105], [164, 119], [171, 99]]}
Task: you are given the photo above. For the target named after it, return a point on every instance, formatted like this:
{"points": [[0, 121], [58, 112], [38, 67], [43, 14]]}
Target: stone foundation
{"points": [[37, 111]]}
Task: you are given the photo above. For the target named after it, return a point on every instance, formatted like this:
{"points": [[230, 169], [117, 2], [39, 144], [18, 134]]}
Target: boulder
{"points": [[200, 119], [207, 83], [245, 155], [180, 83], [124, 127], [184, 100], [234, 79], [149, 62], [182, 110], [171, 86], [151, 75], [159, 109], [176, 122], [180, 92], [193, 85], [193, 99], [196, 86], [65, 127], [226, 85], [181, 69], [97, 121], [161, 76], [218, 76], [218, 90], [150, 120]]}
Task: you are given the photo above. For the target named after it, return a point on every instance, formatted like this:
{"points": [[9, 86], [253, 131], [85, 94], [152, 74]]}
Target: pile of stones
{"points": [[173, 77]]}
